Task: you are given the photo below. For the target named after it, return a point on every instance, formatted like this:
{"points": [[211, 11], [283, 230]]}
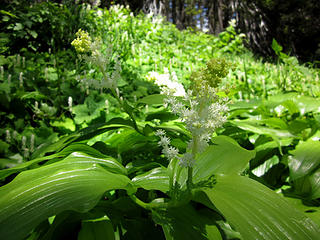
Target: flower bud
{"points": [[9, 79], [32, 143], [70, 103], [21, 79], [8, 136], [1, 72]]}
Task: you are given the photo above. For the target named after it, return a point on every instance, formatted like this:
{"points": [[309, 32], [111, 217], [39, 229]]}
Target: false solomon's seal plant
{"points": [[200, 192]]}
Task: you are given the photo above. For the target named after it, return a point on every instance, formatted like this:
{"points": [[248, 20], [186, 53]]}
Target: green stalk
{"points": [[130, 114], [149, 206], [160, 204], [120, 102]]}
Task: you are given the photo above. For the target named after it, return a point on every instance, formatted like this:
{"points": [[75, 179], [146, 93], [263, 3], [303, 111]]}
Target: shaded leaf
{"points": [[186, 223], [96, 229]]}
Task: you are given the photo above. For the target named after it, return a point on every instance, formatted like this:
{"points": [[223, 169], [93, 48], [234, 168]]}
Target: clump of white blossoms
{"points": [[169, 151], [167, 81], [202, 110]]}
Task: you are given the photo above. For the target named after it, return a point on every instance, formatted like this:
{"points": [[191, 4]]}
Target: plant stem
{"points": [[130, 114], [189, 180], [151, 205]]}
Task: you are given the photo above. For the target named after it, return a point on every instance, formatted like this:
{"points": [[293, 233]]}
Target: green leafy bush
{"points": [[91, 150]]}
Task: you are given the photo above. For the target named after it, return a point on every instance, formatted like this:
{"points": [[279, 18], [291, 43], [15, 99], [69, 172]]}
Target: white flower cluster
{"points": [[167, 150], [167, 82], [203, 113]]}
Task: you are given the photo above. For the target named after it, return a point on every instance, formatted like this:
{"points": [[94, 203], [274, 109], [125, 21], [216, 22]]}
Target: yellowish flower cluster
{"points": [[83, 42]]}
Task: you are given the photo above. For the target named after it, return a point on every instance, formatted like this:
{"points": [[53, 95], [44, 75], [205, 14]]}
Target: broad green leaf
{"points": [[108, 163], [34, 34], [251, 126], [152, 99], [8, 13], [37, 194], [155, 179], [186, 223], [18, 27], [82, 135], [174, 127], [33, 95], [276, 47], [274, 144], [266, 166], [252, 104], [291, 106], [305, 158], [225, 156], [312, 212], [66, 123], [315, 185], [293, 101], [83, 149], [96, 229], [257, 212], [304, 166], [127, 139]]}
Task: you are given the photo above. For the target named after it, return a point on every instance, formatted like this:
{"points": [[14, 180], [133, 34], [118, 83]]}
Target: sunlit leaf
{"points": [[225, 156], [155, 179], [37, 194], [305, 158], [257, 212]]}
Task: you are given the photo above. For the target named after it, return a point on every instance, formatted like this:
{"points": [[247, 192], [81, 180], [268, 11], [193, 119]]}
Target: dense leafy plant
{"points": [[32, 26], [82, 137], [196, 194]]}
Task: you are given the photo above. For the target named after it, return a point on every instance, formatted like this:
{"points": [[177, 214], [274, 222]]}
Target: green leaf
{"points": [[33, 95], [315, 185], [187, 223], [276, 47], [304, 167], [257, 212], [305, 159], [18, 27], [75, 147], [152, 99], [127, 139], [66, 123], [8, 13], [34, 34], [226, 156], [37, 194], [310, 211], [266, 166], [252, 126], [96, 229], [155, 179]]}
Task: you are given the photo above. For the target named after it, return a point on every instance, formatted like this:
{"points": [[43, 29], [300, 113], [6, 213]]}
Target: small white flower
{"points": [[8, 136], [70, 103], [164, 141], [21, 79], [32, 143], [170, 152], [160, 132], [186, 160]]}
